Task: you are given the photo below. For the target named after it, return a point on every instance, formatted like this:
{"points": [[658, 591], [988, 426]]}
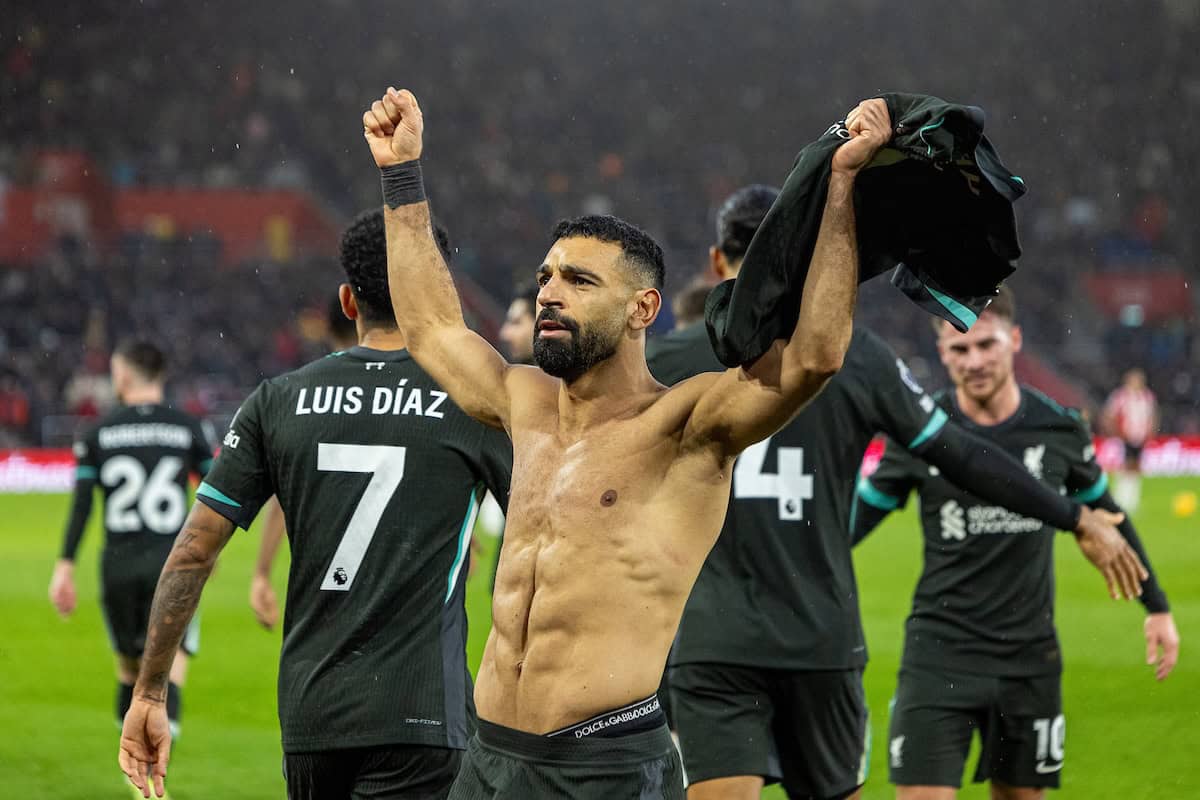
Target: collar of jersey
{"points": [[371, 354], [960, 415]]}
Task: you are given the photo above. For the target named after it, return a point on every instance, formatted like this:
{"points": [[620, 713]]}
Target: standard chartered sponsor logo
{"points": [[957, 522], [953, 526], [994, 519]]}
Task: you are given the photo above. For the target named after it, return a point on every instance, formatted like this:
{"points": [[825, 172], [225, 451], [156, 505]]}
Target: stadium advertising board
{"points": [[45, 470], [1163, 455]]}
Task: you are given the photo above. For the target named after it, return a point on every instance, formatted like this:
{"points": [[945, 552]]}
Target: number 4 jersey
{"points": [[778, 589], [380, 477]]}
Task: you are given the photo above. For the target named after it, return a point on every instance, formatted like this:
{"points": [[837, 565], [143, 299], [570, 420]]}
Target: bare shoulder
{"points": [[687, 393], [532, 396], [674, 406], [529, 384]]}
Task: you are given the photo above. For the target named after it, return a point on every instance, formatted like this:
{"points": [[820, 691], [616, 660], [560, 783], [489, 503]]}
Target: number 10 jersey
{"points": [[380, 477]]}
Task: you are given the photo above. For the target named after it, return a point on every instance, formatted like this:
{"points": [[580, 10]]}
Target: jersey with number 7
{"points": [[379, 476]]}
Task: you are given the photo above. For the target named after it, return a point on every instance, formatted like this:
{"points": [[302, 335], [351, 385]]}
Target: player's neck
{"points": [[143, 396], [382, 339], [994, 409], [605, 391]]}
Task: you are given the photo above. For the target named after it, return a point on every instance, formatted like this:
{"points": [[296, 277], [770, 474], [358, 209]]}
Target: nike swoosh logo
{"points": [[1046, 770]]}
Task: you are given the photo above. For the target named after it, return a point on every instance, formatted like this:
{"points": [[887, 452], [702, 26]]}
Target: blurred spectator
{"points": [[621, 106], [14, 412], [688, 304]]}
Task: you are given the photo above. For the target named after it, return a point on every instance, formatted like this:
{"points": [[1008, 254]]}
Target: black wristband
{"points": [[1076, 514], [402, 184]]}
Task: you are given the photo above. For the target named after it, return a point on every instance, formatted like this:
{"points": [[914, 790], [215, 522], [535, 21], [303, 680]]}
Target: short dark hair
{"points": [[688, 305], [146, 359], [740, 215], [1004, 304], [341, 327], [364, 258], [641, 252]]}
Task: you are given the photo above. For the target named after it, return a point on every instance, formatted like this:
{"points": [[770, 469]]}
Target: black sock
{"points": [[174, 703], [124, 699]]}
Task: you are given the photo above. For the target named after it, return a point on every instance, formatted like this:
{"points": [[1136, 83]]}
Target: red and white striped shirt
{"points": [[1132, 414]]}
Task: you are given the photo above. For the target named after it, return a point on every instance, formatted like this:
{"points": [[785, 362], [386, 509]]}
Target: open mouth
{"points": [[549, 327]]}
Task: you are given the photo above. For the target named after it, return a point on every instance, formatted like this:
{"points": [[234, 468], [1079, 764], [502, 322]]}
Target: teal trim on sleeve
{"points": [[963, 314], [85, 473], [206, 490], [873, 497], [935, 424], [1094, 492], [1019, 179], [933, 126]]}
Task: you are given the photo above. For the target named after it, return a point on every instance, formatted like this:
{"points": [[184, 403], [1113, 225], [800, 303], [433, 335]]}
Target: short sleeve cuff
{"points": [[873, 497], [225, 505]]}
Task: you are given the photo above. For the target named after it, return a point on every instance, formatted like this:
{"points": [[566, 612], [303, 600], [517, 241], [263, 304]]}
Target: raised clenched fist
{"points": [[870, 128], [393, 127]]}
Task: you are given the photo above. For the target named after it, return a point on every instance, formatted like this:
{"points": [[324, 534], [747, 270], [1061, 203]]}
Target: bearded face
{"points": [[564, 348]]}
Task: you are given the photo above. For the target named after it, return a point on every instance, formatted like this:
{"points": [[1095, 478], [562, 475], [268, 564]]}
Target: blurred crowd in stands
{"points": [[534, 111]]}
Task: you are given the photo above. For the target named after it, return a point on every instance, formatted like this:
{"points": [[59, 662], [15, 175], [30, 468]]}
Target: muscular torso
{"points": [[607, 530]]}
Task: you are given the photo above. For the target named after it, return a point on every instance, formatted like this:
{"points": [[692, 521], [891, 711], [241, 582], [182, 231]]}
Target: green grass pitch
{"points": [[1127, 737]]}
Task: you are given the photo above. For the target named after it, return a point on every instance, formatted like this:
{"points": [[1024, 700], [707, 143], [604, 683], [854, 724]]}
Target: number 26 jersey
{"points": [[142, 458]]}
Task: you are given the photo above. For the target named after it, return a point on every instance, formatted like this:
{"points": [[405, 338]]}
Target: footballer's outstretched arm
{"points": [[983, 468], [1162, 637], [426, 303], [747, 404]]}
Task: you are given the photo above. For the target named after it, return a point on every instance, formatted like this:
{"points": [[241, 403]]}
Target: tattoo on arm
{"points": [[188, 567]]}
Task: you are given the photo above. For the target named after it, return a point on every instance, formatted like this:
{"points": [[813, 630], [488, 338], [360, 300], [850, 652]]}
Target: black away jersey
{"points": [[985, 599], [380, 477], [142, 458], [778, 589]]}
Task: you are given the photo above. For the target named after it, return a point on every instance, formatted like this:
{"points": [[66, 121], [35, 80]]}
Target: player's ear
{"points": [[717, 264], [1016, 338], [117, 371], [349, 304], [646, 305]]}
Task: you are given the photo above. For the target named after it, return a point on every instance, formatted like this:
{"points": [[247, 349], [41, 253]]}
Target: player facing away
{"points": [[142, 456], [1131, 414], [379, 476], [342, 335], [766, 670], [619, 484], [981, 651]]}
